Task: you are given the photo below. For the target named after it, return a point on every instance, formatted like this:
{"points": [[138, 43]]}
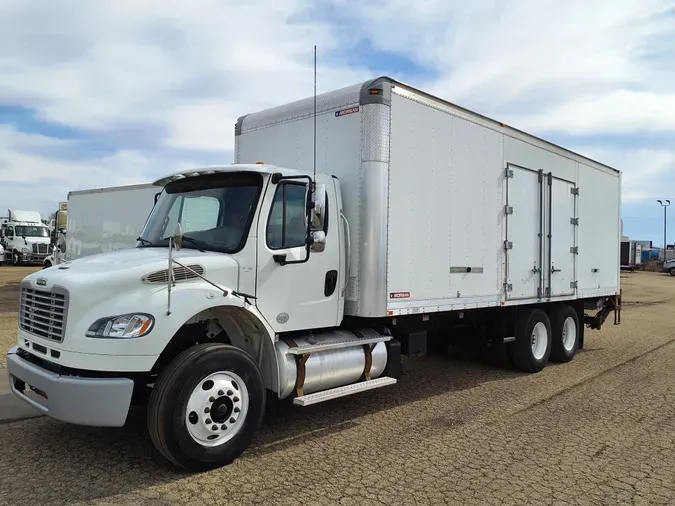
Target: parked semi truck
{"points": [[258, 282], [102, 220], [25, 238]]}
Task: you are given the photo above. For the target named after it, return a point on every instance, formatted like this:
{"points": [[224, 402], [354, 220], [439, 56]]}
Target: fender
{"points": [[243, 324]]}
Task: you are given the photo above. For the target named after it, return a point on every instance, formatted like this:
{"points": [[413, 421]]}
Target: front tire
{"points": [[46, 265], [206, 406], [565, 327], [532, 347], [16, 258], [672, 271]]}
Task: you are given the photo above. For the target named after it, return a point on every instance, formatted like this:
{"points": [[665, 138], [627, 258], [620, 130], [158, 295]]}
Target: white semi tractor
{"points": [[25, 238], [255, 281]]}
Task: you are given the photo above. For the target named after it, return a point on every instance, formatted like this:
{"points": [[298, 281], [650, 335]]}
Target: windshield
{"points": [[215, 212], [30, 231]]}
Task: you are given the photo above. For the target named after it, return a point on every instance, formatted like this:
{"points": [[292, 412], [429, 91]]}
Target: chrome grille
{"points": [[179, 274], [43, 313], [40, 248]]}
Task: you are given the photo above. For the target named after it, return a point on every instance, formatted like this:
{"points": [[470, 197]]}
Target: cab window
{"points": [[286, 227]]}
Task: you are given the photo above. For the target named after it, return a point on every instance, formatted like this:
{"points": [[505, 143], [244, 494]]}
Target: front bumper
{"points": [[101, 402]]}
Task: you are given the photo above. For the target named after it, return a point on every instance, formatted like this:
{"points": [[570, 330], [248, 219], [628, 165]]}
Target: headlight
{"points": [[25, 251], [125, 326]]}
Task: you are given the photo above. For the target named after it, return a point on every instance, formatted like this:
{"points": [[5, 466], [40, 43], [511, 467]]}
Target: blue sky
{"points": [[121, 91]]}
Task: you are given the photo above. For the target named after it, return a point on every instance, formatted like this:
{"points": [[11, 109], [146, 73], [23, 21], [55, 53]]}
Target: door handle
{"points": [[553, 270]]}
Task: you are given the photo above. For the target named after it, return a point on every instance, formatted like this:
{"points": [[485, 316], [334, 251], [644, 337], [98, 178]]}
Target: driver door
{"points": [[304, 295]]}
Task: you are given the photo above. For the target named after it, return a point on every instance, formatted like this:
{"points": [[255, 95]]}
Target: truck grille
{"points": [[40, 248], [43, 313]]}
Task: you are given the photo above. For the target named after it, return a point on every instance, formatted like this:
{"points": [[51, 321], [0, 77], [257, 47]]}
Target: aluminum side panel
{"points": [[599, 204], [446, 199], [105, 221]]}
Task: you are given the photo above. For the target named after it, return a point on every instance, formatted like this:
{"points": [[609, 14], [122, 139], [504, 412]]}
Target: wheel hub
{"points": [[217, 408]]}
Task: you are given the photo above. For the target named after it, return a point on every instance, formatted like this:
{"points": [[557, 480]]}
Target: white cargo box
{"points": [[448, 209], [107, 219]]}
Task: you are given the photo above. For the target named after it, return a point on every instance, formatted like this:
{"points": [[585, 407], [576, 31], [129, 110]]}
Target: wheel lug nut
{"points": [[232, 420], [212, 399], [207, 410], [223, 427], [208, 421], [236, 399], [220, 392], [230, 392], [215, 427], [237, 410]]}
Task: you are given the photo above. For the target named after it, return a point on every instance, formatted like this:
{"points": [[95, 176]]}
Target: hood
{"points": [[124, 266]]}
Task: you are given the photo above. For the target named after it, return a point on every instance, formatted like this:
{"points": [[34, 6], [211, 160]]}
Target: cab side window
{"points": [[286, 226]]}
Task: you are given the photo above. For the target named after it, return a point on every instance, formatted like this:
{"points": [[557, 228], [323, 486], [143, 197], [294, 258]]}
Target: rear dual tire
{"points": [[206, 406], [540, 338]]}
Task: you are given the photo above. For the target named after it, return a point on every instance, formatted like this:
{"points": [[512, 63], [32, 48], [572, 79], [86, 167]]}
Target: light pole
{"points": [[664, 204]]}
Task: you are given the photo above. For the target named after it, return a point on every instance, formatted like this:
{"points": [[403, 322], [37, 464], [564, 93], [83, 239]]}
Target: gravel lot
{"points": [[599, 430]]}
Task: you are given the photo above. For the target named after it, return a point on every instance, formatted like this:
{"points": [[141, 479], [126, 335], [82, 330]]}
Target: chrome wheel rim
{"points": [[217, 408]]}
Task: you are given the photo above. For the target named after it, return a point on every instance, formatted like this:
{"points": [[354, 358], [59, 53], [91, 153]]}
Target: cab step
{"points": [[334, 393], [336, 345]]}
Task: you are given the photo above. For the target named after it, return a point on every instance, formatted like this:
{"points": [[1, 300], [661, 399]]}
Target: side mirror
{"points": [[318, 219]]}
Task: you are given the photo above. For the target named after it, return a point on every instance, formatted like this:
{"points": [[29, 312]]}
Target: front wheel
{"points": [[16, 259], [672, 271], [47, 265], [206, 406]]}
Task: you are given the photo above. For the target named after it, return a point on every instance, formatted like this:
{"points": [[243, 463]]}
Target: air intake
{"points": [[179, 274]]}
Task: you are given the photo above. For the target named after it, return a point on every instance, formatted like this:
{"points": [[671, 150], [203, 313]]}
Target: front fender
{"points": [[187, 300]]}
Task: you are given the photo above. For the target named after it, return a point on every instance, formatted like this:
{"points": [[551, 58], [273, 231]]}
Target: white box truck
{"points": [[101, 220], [256, 282]]}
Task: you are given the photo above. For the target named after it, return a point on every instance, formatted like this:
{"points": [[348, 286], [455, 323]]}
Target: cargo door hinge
{"points": [[574, 250], [508, 172], [548, 291], [508, 245], [574, 221], [575, 191], [539, 292], [574, 284], [508, 210], [508, 287]]}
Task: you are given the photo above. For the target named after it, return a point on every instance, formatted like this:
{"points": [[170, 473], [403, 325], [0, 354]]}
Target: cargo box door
{"points": [[561, 230], [524, 226]]}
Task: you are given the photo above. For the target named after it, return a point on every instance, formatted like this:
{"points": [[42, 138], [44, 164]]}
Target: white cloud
{"points": [[153, 77]]}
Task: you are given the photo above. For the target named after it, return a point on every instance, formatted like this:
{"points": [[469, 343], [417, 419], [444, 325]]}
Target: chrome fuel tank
{"points": [[329, 368]]}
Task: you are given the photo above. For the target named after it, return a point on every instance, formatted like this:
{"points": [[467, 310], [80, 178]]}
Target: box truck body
{"points": [[106, 219], [268, 280], [448, 210]]}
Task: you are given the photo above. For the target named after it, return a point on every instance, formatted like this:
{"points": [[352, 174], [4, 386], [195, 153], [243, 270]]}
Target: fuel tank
{"points": [[329, 368]]}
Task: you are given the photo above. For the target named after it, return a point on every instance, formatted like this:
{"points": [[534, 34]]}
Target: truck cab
{"points": [[26, 238], [230, 259]]}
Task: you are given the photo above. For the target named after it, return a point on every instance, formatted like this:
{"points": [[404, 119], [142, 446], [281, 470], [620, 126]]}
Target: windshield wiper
{"points": [[144, 242], [194, 241]]}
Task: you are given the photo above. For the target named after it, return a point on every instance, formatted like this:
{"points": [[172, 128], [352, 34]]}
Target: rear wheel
{"points": [[565, 328], [531, 350], [206, 406]]}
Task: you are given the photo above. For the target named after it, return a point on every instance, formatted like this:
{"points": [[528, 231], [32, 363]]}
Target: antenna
{"points": [[314, 113]]}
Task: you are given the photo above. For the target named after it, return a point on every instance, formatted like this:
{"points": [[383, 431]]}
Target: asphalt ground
{"points": [[454, 430]]}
